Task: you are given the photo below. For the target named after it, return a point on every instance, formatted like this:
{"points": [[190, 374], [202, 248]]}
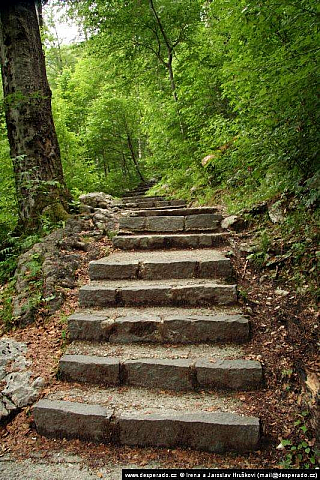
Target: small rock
{"points": [[234, 222], [97, 200], [276, 213], [282, 293], [6, 406], [19, 390], [38, 383], [85, 209]]}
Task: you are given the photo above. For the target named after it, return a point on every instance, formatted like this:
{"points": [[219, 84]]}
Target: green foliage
{"points": [[34, 282], [261, 253], [10, 251], [289, 250], [6, 307], [299, 448], [8, 203]]}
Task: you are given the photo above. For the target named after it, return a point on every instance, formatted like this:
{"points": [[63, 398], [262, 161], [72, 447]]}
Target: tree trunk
{"points": [[133, 155], [33, 142]]}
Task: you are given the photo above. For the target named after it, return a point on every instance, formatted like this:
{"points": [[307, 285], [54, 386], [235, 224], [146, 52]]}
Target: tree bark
{"points": [[33, 142]]}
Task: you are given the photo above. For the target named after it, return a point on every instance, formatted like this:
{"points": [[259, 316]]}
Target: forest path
{"points": [[150, 363]]}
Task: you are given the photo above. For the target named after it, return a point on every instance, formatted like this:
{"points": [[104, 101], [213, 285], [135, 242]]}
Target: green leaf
{"points": [[286, 442]]}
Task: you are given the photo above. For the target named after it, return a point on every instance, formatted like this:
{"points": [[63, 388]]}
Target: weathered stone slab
{"points": [[177, 203], [229, 374], [163, 224], [206, 329], [73, 420], [201, 222], [141, 198], [206, 294], [213, 432], [107, 269], [90, 369], [149, 242], [150, 204], [164, 269], [133, 223], [86, 327], [165, 374], [215, 268], [145, 243], [146, 295], [177, 211], [165, 265], [166, 294], [97, 296], [133, 329]]}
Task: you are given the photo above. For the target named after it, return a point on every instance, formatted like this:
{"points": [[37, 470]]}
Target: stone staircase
{"points": [[156, 356]]}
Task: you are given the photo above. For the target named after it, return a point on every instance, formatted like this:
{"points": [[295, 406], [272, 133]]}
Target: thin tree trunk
{"points": [[105, 166], [171, 76], [33, 142], [133, 156], [168, 64]]}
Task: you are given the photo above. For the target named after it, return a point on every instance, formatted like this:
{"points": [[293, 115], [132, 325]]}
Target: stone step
{"points": [[179, 374], [137, 193], [182, 292], [209, 431], [161, 265], [142, 188], [184, 240], [188, 223], [158, 325], [150, 204], [167, 350], [178, 211], [140, 197]]}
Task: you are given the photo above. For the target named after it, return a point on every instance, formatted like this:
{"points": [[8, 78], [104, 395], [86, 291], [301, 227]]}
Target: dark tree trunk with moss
{"points": [[33, 142]]}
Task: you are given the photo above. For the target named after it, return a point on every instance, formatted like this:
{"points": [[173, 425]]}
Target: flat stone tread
{"points": [[176, 235], [184, 211], [219, 417], [76, 407], [113, 313], [165, 256], [155, 351], [154, 241], [156, 325], [172, 282], [164, 207], [132, 399], [133, 198]]}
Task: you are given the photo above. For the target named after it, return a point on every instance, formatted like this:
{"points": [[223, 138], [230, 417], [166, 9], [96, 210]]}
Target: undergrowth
{"points": [[299, 447]]}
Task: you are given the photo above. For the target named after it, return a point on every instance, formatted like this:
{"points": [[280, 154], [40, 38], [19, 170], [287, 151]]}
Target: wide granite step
{"points": [[138, 417], [176, 374], [140, 197], [173, 292], [174, 224], [145, 203], [158, 325], [182, 240], [178, 211], [161, 265]]}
